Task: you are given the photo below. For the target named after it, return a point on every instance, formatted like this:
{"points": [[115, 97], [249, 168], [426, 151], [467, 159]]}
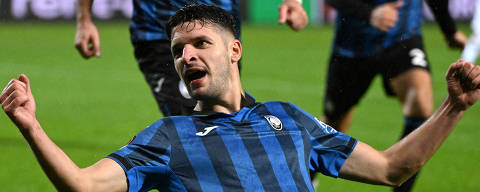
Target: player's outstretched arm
{"points": [[87, 38], [396, 164], [292, 13], [106, 175]]}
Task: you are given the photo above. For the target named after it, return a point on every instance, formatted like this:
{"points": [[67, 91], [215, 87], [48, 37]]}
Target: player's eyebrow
{"points": [[177, 45], [202, 37]]}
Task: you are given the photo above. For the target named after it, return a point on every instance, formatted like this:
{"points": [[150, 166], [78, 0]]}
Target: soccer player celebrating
{"points": [[152, 46], [233, 143]]}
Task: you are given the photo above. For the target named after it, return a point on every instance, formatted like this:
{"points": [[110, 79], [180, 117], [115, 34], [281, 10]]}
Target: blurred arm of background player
{"points": [[292, 13], [455, 38], [385, 16], [87, 38]]}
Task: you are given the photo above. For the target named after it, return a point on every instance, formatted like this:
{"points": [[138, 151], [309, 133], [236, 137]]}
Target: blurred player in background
{"points": [[472, 48], [383, 37], [152, 46]]}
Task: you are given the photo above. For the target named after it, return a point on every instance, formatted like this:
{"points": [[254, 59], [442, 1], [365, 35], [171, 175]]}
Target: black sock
{"points": [[410, 124]]}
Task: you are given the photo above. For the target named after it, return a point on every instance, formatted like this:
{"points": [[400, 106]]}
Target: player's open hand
{"points": [[385, 16], [18, 102], [87, 40], [463, 81], [292, 12]]}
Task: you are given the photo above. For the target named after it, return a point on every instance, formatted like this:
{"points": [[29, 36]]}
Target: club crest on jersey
{"points": [[274, 122]]}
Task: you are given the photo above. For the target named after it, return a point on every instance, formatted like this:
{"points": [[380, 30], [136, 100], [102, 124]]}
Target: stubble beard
{"points": [[219, 84]]}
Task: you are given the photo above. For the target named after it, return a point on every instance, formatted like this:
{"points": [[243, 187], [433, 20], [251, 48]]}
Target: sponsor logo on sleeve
{"points": [[325, 127]]}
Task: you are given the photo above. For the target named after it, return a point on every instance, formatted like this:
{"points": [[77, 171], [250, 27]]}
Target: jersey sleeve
{"points": [[145, 159], [329, 148]]}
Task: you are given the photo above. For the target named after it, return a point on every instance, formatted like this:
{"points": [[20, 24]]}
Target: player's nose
{"points": [[189, 54]]}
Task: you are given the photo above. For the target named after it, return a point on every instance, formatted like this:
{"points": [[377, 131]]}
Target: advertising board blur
{"points": [[62, 9], [257, 11]]}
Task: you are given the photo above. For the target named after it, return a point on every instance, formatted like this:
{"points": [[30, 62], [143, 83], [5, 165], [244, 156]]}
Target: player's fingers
{"points": [[472, 75], [14, 103], [461, 73], [89, 47], [96, 46], [282, 13], [386, 23], [390, 24], [460, 39], [78, 46], [455, 43], [19, 85], [293, 21], [10, 97], [4, 94], [82, 47], [8, 85], [466, 69], [15, 96], [392, 19], [470, 68], [384, 27], [453, 70], [15, 85], [298, 19], [476, 80], [23, 78]]}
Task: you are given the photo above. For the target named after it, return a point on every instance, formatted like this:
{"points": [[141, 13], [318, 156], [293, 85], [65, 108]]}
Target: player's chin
{"points": [[200, 93], [196, 92]]}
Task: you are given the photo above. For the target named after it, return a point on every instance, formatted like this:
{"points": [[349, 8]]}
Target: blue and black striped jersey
{"points": [[150, 16], [268, 146], [355, 37]]}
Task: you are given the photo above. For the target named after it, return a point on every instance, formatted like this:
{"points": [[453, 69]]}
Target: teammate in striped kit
{"points": [[152, 46], [383, 37], [233, 143]]}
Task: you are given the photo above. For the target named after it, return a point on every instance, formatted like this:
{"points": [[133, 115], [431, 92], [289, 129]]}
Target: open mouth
{"points": [[194, 74]]}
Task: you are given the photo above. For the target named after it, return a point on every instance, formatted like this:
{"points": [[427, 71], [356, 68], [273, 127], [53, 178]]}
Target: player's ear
{"points": [[236, 50]]}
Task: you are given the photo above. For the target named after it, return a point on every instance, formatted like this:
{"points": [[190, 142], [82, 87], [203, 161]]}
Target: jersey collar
{"points": [[249, 103]]}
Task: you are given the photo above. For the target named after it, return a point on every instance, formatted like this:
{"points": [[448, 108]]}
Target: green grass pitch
{"points": [[91, 108]]}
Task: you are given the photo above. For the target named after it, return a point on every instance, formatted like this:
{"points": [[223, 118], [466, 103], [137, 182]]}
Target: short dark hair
{"points": [[206, 14]]}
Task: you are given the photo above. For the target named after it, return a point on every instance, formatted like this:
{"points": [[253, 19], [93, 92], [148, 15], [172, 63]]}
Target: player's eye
{"points": [[201, 43]]}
